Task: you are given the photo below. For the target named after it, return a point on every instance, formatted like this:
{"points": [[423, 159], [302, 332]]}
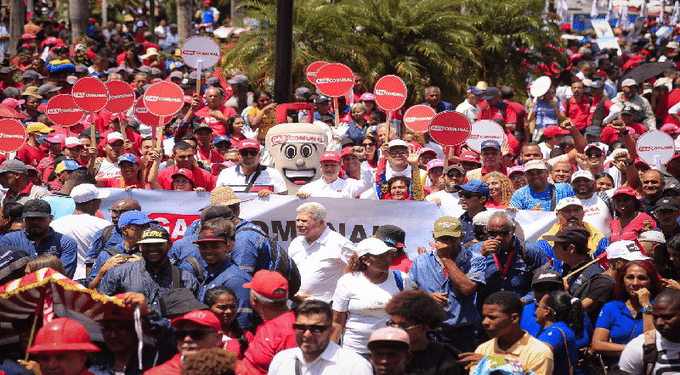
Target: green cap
{"points": [[447, 226]]}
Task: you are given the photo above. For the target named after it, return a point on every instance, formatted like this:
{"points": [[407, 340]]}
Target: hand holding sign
{"points": [[449, 128]]}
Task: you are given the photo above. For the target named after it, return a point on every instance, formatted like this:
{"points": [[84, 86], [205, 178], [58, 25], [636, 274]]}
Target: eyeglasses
{"points": [[195, 334], [313, 328], [468, 195], [596, 154], [398, 153], [118, 212], [502, 233], [392, 323], [249, 152], [368, 144]]}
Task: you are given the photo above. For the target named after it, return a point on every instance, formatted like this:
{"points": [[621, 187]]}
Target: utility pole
{"points": [[284, 50]]}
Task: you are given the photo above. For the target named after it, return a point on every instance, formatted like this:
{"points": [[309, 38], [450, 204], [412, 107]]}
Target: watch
{"points": [[647, 309], [630, 162]]}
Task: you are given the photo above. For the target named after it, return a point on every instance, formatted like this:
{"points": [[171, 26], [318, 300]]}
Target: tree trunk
{"points": [[184, 17], [236, 12], [79, 12], [16, 25]]}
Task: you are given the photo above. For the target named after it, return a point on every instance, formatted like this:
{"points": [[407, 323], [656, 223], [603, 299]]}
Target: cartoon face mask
{"points": [[296, 149]]}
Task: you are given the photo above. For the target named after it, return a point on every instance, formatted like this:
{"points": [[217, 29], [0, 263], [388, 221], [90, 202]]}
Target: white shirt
{"points": [[450, 202], [631, 358], [333, 361], [470, 111], [321, 263], [81, 228], [339, 188], [596, 213], [108, 170], [237, 181], [545, 150]]}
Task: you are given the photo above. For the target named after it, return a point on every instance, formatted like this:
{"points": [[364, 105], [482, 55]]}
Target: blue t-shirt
{"points": [[616, 317], [529, 324], [545, 114], [525, 198], [557, 335]]}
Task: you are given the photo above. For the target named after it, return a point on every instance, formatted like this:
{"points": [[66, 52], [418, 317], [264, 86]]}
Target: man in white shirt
{"points": [[448, 198], [249, 176], [114, 147], [595, 210], [320, 253], [330, 185], [469, 106], [82, 224], [316, 353]]}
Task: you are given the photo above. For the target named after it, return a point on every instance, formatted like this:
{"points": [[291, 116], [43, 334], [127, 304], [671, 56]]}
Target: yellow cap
{"points": [[38, 127]]}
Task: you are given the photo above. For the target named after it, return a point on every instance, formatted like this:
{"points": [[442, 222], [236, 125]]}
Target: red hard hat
{"points": [[62, 334]]}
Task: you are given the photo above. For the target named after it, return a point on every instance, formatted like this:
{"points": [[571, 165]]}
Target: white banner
{"points": [[353, 218]]}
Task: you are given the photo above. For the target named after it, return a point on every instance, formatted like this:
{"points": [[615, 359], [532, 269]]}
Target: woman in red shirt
{"points": [[631, 220]]}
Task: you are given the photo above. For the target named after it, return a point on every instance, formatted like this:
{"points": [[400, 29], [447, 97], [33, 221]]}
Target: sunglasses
{"points": [[468, 195], [502, 233], [195, 334], [248, 152], [593, 154], [454, 175], [368, 144], [392, 323], [313, 328]]}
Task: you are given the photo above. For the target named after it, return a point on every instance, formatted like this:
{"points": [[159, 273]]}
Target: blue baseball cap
{"points": [[475, 186], [491, 93], [135, 218], [128, 157], [68, 165], [475, 90], [490, 143], [219, 139]]}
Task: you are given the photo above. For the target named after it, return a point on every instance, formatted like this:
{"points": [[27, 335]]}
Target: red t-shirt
{"points": [[272, 337], [401, 263], [202, 178], [208, 157], [31, 155], [633, 230], [121, 183], [577, 112], [218, 127]]}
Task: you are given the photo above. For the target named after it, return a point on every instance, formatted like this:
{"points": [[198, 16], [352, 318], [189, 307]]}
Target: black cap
{"points": [[216, 210], [36, 208], [573, 235], [597, 84], [672, 187], [179, 301], [628, 110], [86, 133], [391, 235], [321, 99], [668, 204], [543, 275]]}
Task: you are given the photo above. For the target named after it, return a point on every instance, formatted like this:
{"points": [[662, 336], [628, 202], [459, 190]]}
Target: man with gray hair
{"points": [[433, 97], [320, 253], [269, 297]]}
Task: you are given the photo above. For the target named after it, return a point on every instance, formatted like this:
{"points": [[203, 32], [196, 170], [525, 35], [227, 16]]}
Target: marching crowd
{"points": [[598, 292]]}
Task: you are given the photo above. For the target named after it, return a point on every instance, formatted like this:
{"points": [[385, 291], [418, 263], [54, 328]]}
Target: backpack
{"points": [[106, 234], [279, 260]]}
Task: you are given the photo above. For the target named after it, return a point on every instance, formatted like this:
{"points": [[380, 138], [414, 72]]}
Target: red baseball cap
{"points": [[346, 151], [554, 130], [330, 156], [269, 284], [186, 173], [202, 317], [626, 190], [248, 144], [470, 156]]}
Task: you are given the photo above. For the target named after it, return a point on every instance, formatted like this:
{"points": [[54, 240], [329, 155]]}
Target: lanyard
{"points": [[503, 270]]}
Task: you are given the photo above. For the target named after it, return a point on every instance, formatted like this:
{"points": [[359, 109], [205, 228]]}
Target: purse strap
{"points": [[566, 349]]}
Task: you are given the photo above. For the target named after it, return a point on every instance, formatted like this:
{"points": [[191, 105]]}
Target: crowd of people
{"points": [[597, 292]]}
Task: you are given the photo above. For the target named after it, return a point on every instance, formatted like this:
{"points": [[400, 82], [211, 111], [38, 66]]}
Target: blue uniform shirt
{"points": [[230, 275], [557, 335], [56, 243], [251, 249], [428, 273], [525, 198], [97, 246]]}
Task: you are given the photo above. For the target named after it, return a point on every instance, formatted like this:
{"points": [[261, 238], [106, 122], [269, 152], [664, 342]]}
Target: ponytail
{"points": [[567, 309]]}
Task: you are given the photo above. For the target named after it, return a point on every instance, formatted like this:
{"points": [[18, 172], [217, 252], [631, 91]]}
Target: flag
{"points": [[48, 306]]}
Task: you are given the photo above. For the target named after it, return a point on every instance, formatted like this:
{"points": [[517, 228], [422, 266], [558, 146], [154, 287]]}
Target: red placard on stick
{"points": [[418, 117], [655, 147], [201, 48], [90, 94], [146, 117], [390, 92], [12, 135], [449, 128], [63, 111], [121, 96], [312, 69], [164, 98], [334, 79]]}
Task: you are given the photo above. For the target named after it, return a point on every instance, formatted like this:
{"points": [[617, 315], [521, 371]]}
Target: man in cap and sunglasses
{"points": [[448, 198], [249, 175]]}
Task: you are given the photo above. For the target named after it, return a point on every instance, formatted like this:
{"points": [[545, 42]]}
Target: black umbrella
{"points": [[646, 71]]}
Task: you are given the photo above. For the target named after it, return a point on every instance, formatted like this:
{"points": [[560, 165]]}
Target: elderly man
{"points": [[491, 161], [433, 98], [452, 276], [316, 353], [184, 157], [653, 185], [82, 225], [61, 347], [330, 185], [269, 298], [39, 238], [508, 262], [14, 177], [639, 103], [539, 194], [215, 113], [320, 253], [663, 343], [473, 197], [469, 107], [249, 175]]}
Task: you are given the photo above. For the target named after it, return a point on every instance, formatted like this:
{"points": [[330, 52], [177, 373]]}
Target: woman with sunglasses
{"points": [[561, 319], [630, 220], [223, 303], [371, 151], [360, 294], [629, 314]]}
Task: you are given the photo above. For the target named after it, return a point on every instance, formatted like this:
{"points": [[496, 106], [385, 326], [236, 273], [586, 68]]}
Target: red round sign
{"points": [[121, 96], [390, 92], [418, 117], [164, 98], [12, 135], [312, 69], [334, 79], [449, 128], [90, 94], [147, 118], [62, 110]]}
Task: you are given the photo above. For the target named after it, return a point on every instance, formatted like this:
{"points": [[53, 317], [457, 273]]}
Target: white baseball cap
{"points": [[87, 192], [568, 201], [372, 246], [582, 174]]}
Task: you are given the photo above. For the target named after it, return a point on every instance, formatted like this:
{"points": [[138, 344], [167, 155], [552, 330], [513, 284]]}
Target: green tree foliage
{"points": [[425, 42]]}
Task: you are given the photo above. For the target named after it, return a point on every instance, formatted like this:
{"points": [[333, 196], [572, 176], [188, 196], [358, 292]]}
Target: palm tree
{"points": [[425, 42]]}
